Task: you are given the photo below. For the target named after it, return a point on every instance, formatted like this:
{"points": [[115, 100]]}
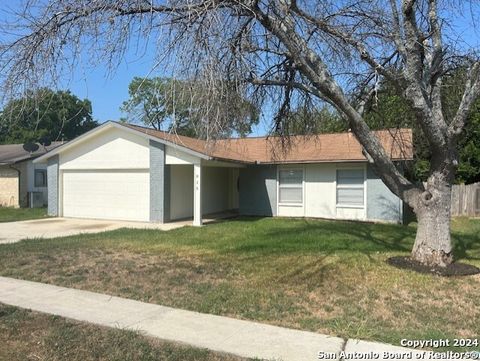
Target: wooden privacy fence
{"points": [[466, 200]]}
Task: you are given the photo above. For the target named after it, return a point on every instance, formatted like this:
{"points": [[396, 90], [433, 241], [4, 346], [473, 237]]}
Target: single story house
{"points": [[22, 183], [128, 172]]}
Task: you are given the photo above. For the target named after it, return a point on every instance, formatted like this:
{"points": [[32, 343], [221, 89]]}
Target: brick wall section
{"points": [[23, 168], [8, 187], [157, 183], [53, 184]]}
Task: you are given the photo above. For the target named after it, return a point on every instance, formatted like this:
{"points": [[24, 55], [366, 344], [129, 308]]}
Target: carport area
{"points": [[200, 192], [11, 232]]}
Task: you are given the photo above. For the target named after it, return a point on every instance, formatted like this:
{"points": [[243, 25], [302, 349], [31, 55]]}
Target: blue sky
{"points": [[107, 92]]}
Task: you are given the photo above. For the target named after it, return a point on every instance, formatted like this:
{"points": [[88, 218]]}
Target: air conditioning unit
{"points": [[35, 199]]}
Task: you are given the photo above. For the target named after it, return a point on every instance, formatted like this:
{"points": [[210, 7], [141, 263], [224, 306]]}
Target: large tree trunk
{"points": [[433, 245]]}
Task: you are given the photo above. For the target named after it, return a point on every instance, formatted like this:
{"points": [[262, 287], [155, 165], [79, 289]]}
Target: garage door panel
{"points": [[117, 194]]}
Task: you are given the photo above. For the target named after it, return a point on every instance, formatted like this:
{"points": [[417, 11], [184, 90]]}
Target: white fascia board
{"points": [[163, 141], [312, 162], [73, 142], [112, 124], [223, 164]]}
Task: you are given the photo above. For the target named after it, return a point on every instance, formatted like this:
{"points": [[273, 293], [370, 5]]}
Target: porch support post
{"points": [[197, 194], [53, 191], [158, 182]]}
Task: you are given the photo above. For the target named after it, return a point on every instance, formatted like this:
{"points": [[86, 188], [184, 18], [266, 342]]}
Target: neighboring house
{"points": [[20, 180], [128, 172]]}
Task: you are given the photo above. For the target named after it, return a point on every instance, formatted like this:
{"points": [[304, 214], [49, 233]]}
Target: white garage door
{"points": [[107, 194]]}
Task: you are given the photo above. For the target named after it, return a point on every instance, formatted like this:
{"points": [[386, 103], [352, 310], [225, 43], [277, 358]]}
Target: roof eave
{"points": [[233, 160], [19, 160], [112, 124], [326, 161]]}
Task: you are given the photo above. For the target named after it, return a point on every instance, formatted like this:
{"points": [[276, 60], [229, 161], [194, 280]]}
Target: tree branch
{"points": [[397, 29], [432, 123], [349, 39], [292, 84], [364, 98], [315, 70], [435, 59], [470, 95]]}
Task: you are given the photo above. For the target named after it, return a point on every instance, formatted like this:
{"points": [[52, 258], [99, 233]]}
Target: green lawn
{"points": [[26, 335], [9, 214], [322, 276]]}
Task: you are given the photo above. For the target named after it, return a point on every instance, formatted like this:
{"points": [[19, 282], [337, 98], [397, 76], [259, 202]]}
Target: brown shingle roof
{"points": [[332, 147]]}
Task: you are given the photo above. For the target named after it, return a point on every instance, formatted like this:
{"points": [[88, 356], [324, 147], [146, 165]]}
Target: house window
{"points": [[290, 186], [40, 178], [350, 187]]}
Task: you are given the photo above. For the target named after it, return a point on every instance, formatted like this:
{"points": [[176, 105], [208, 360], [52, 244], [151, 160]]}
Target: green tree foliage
{"points": [[45, 114], [469, 165], [179, 106], [308, 120], [389, 110]]}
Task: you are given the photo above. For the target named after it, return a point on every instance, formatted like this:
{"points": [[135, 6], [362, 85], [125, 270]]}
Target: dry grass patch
{"points": [[328, 277], [32, 336]]}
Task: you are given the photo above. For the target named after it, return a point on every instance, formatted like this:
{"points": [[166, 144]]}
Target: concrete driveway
{"points": [[11, 232]]}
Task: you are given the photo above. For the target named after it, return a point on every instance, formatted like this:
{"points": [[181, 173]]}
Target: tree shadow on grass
{"points": [[466, 246], [465, 238], [332, 236], [326, 237]]}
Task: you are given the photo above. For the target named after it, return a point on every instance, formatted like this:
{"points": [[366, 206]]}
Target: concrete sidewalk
{"points": [[242, 338], [11, 232]]}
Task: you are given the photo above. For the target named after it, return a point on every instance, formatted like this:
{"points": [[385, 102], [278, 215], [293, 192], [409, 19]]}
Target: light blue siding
{"points": [[166, 193], [158, 185], [258, 190], [382, 204], [52, 184], [258, 195]]}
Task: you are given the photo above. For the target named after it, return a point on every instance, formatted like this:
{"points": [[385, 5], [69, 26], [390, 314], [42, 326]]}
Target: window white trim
{"points": [[302, 187], [353, 206], [351, 186]]}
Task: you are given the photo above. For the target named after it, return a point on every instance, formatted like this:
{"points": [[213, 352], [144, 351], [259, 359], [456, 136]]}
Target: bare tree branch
{"points": [[349, 39], [432, 123], [397, 32], [472, 93]]}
